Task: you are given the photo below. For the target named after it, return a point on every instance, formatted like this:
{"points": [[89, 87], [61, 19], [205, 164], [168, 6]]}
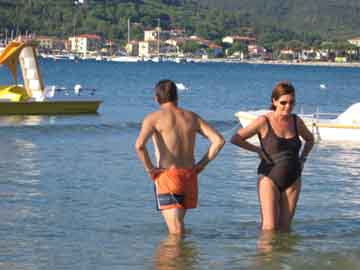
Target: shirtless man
{"points": [[173, 131]]}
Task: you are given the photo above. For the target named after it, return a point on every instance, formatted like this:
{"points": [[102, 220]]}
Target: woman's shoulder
{"points": [[262, 120], [298, 119], [265, 117]]}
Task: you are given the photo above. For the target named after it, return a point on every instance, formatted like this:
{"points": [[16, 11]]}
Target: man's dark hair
{"points": [[166, 91]]}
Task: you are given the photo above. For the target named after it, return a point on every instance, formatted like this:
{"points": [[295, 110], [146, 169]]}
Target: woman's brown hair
{"points": [[282, 88]]}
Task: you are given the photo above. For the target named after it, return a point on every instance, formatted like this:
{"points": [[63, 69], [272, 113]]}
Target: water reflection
{"points": [[273, 248], [28, 158], [19, 211], [20, 161], [175, 253], [343, 162], [27, 120], [342, 156], [266, 242]]}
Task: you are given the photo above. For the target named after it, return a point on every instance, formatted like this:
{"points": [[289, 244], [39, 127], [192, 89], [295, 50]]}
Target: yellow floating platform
{"points": [[30, 98], [49, 107]]}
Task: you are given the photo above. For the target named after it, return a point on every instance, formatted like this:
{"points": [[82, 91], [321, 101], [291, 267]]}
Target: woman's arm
{"points": [[307, 136], [240, 138]]}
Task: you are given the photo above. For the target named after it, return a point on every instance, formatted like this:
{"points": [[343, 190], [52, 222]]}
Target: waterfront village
{"points": [[174, 45]]}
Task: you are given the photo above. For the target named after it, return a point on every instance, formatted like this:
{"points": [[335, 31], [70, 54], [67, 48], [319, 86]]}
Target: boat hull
{"points": [[334, 132], [327, 131], [49, 107]]}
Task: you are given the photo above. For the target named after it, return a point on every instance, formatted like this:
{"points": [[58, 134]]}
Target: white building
{"points": [[85, 44], [151, 35], [355, 41], [148, 48], [45, 42], [240, 39]]}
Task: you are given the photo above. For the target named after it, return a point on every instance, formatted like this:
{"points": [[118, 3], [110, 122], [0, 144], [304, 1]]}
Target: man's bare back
{"points": [[174, 137], [174, 131]]}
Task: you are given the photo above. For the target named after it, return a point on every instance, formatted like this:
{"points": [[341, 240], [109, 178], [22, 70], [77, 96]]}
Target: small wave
{"points": [[223, 124], [122, 126], [226, 127]]}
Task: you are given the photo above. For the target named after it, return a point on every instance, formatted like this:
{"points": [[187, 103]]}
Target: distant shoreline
{"points": [[287, 63], [312, 63], [255, 62]]}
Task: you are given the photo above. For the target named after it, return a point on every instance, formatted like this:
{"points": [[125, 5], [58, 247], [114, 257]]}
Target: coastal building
{"points": [[2, 45], [148, 48], [156, 34], [194, 37], [215, 50], [85, 44], [170, 50], [132, 48], [176, 42], [255, 51], [151, 35], [157, 41], [239, 39], [47, 44], [67, 44], [109, 47], [287, 54], [355, 41], [204, 47], [177, 33], [322, 55], [309, 55]]}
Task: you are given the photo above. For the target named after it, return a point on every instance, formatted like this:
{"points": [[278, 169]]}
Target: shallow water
{"points": [[74, 196]]}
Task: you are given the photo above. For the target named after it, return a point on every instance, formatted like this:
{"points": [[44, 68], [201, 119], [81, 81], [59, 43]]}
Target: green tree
{"points": [[190, 46], [238, 47]]}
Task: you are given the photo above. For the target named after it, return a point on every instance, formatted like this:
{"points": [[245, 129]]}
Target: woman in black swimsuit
{"points": [[279, 133]]}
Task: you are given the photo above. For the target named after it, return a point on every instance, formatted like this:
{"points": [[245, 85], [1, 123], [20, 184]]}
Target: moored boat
{"points": [[325, 126], [124, 59]]}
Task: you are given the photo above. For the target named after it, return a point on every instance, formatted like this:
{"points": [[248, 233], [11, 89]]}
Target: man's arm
{"points": [[217, 142], [147, 129]]}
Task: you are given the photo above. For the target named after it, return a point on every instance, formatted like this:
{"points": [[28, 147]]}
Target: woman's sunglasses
{"points": [[284, 102]]}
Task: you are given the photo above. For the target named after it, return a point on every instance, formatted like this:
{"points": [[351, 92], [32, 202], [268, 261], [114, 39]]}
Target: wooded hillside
{"points": [[308, 21]]}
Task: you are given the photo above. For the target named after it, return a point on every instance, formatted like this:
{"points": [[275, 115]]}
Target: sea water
{"points": [[73, 194]]}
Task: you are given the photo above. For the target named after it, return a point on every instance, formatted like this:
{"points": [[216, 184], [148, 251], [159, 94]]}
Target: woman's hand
{"points": [[302, 163], [262, 155]]}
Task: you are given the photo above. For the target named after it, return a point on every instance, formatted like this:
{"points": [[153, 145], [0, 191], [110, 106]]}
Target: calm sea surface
{"points": [[74, 196]]}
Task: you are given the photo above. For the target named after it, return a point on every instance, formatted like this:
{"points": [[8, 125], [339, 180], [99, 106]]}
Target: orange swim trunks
{"points": [[176, 188]]}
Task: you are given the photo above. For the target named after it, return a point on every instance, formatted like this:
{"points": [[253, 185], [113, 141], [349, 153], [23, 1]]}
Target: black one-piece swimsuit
{"points": [[284, 168]]}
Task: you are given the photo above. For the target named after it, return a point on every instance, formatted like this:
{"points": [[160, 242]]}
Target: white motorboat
{"points": [[325, 126], [124, 59]]}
